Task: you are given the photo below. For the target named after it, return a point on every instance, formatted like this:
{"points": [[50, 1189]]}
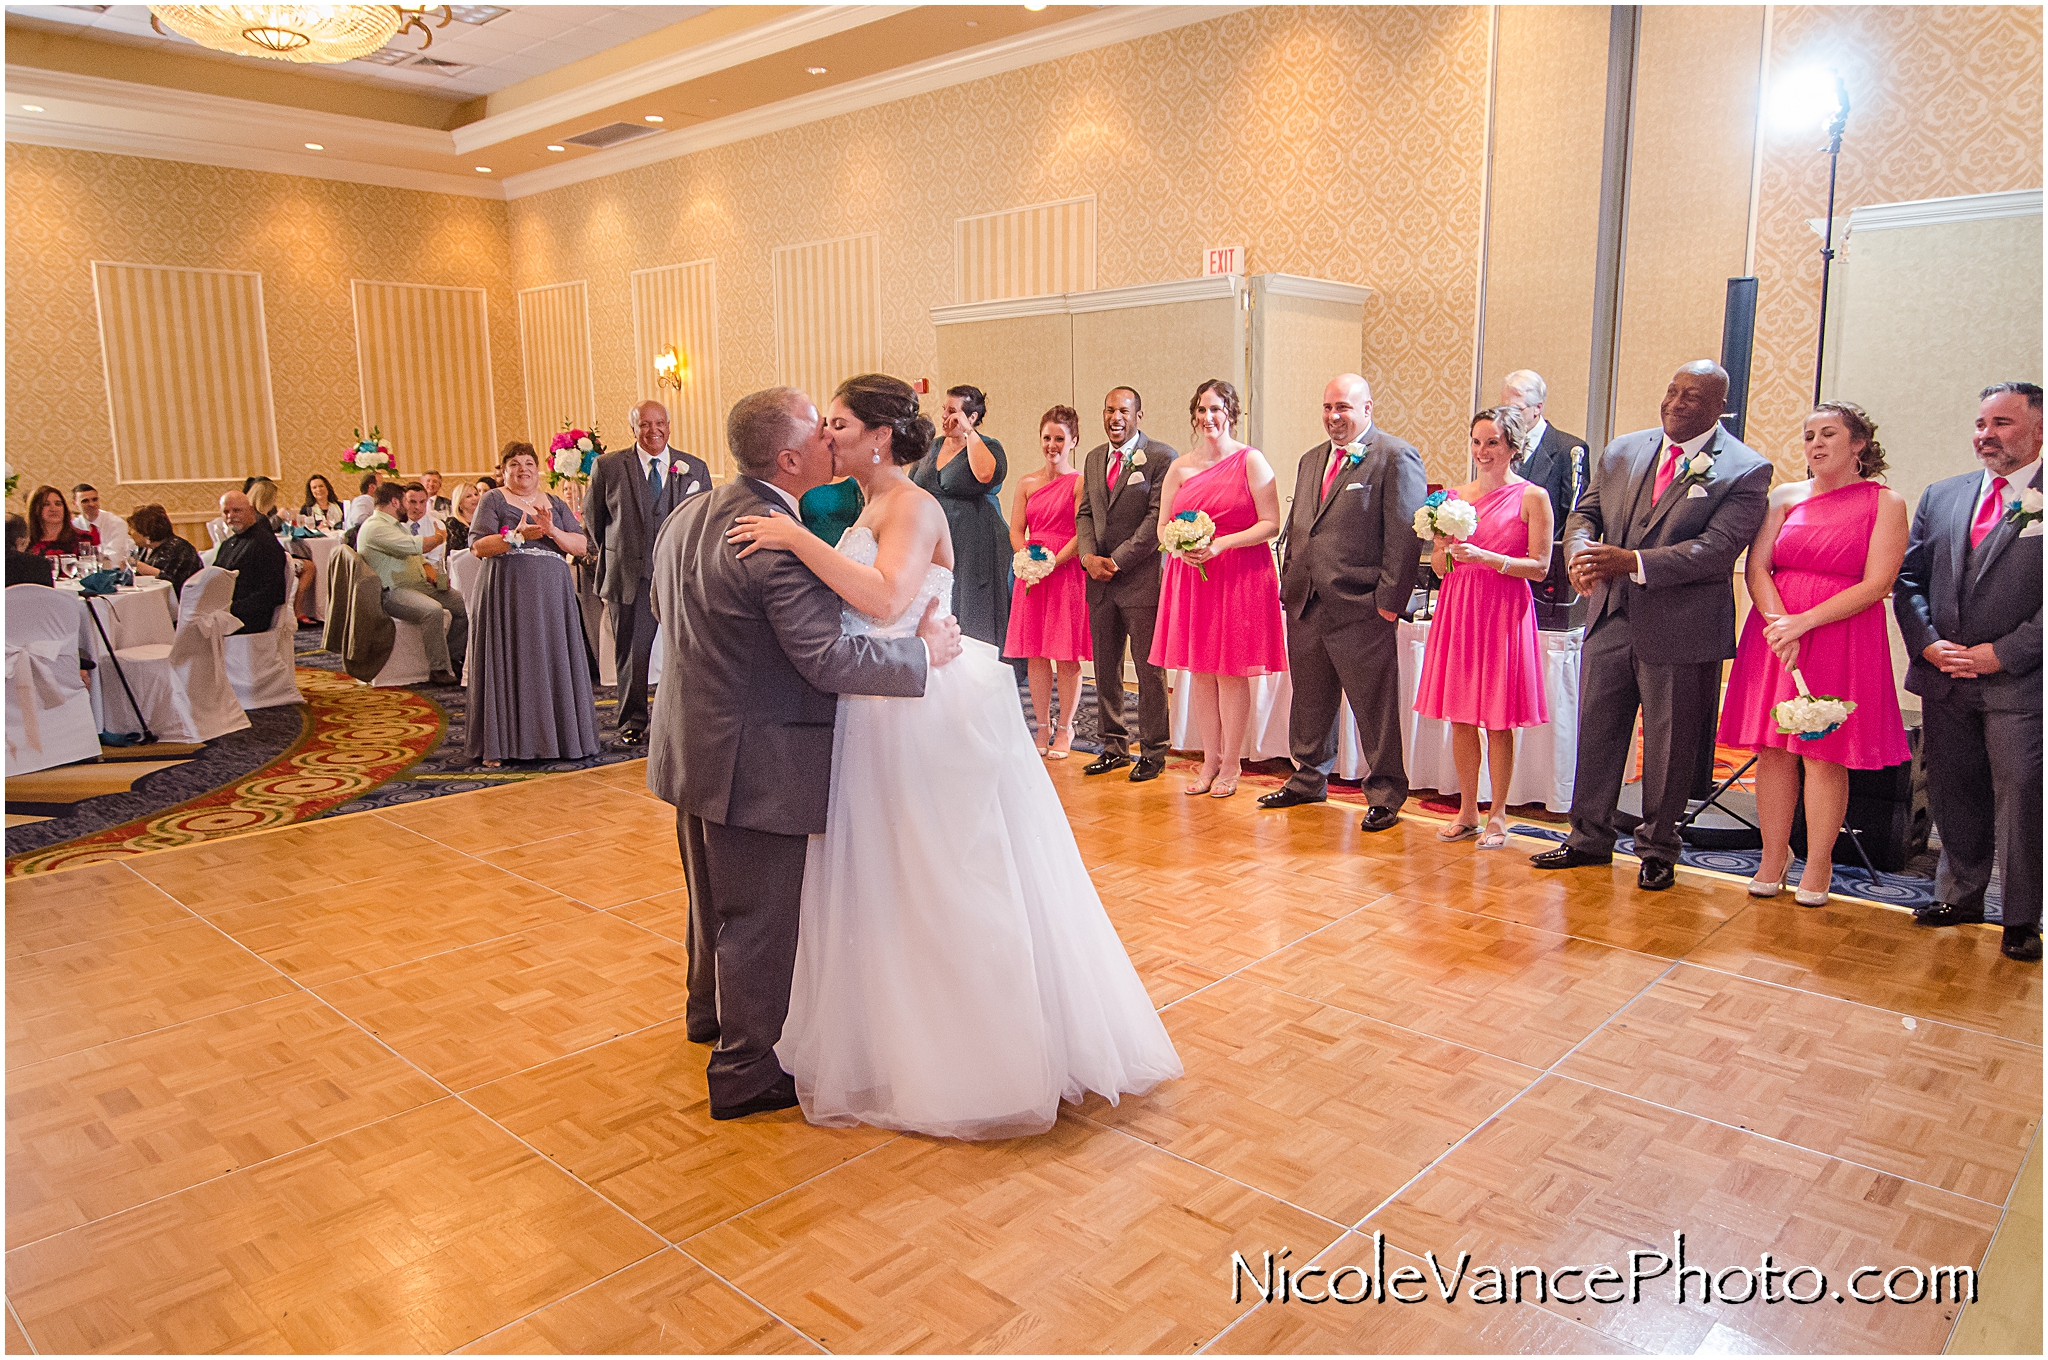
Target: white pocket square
{"points": [[1137, 479], [1698, 493], [2032, 530], [1356, 486]]}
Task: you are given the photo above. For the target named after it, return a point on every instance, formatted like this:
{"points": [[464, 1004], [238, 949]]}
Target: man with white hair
{"points": [[1552, 459], [632, 491]]}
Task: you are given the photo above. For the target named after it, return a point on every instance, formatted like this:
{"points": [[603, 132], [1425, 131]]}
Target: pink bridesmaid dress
{"points": [[1820, 551], [1050, 619], [1230, 624], [1481, 666]]}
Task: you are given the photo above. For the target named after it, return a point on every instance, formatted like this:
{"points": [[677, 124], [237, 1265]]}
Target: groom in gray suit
{"points": [[1652, 546], [1968, 600], [744, 749]]}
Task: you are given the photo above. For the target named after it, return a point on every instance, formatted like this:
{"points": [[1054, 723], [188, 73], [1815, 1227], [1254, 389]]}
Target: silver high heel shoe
{"points": [[1759, 888]]}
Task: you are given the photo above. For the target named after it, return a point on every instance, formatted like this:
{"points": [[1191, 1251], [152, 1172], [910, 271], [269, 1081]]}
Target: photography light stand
{"points": [[1836, 125]]}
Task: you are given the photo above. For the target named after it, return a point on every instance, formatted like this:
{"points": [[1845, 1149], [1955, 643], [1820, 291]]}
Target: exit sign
{"points": [[1223, 260]]}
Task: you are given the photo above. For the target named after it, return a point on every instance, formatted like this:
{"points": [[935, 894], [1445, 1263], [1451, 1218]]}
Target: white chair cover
{"points": [[263, 667], [407, 664], [218, 531], [49, 706], [207, 557], [183, 688], [608, 652], [463, 569]]}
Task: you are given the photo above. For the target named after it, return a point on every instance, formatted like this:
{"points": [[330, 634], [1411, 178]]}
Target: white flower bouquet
{"points": [[1811, 716], [1188, 529], [1443, 515], [1031, 564]]}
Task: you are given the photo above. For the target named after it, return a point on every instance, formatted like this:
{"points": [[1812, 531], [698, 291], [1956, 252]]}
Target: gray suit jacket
{"points": [[1948, 591], [1357, 551], [746, 739], [1122, 524], [1686, 614], [623, 519]]}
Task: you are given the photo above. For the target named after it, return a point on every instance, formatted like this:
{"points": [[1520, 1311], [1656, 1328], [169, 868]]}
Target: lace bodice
{"points": [[859, 544]]}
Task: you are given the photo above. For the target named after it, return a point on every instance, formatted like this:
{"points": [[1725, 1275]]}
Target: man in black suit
{"points": [[1116, 527], [1352, 558], [260, 561], [1552, 459], [1968, 601], [632, 491]]}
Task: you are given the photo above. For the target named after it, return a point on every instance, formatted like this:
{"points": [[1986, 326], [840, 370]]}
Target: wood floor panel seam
{"points": [[809, 1340], [139, 1034], [1291, 944], [678, 1242], [1225, 1175], [14, 1313], [2004, 1212], [580, 1289], [1851, 1001]]}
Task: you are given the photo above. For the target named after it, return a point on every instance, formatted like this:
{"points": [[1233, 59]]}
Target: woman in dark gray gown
{"points": [[529, 680], [966, 472]]}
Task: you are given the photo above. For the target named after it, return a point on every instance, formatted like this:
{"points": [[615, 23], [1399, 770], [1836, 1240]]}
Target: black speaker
{"points": [[1887, 815], [1738, 341]]}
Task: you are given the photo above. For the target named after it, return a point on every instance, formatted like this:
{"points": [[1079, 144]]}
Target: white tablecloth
{"points": [[135, 616], [322, 549], [1546, 758]]}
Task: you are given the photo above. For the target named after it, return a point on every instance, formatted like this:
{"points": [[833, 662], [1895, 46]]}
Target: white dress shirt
{"points": [[2018, 480], [114, 543]]}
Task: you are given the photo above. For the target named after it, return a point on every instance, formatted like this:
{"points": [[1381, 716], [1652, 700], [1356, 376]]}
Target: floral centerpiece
{"points": [[369, 454], [1188, 529], [1811, 716], [1031, 564], [572, 453]]}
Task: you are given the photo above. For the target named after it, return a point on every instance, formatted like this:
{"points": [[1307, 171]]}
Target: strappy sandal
{"points": [[1222, 787], [1056, 751], [1202, 785], [1457, 831]]}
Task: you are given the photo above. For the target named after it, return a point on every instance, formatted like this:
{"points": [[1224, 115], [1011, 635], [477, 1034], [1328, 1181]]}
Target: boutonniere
{"points": [[1697, 468], [2026, 510], [1138, 458], [1353, 457]]}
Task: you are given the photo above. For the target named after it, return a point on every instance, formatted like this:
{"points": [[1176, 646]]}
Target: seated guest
{"points": [[320, 509], [411, 591], [252, 550], [51, 532], [437, 504], [529, 689], [1481, 669], [365, 502], [164, 553], [1818, 575], [262, 494], [24, 569], [1049, 619], [111, 533], [456, 526]]}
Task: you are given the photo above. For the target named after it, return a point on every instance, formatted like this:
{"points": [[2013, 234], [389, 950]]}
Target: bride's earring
{"points": [[877, 455]]}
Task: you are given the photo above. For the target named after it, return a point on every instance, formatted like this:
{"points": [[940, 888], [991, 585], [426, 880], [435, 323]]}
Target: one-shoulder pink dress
{"points": [[1820, 551], [1230, 624], [1481, 666], [1050, 619]]}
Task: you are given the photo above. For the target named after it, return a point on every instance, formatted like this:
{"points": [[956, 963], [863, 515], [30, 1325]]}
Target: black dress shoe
{"points": [[1656, 874], [1379, 819], [1568, 857], [444, 678], [780, 1096], [1147, 768], [1948, 914], [1107, 761], [632, 736], [702, 1036], [1286, 797], [2022, 943]]}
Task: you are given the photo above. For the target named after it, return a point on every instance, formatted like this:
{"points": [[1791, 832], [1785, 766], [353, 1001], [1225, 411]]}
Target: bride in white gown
{"points": [[956, 974]]}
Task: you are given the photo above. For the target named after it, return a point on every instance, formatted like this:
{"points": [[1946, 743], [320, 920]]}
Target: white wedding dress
{"points": [[956, 974]]}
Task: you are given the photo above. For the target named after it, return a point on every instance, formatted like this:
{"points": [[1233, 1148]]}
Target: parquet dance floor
{"points": [[416, 1080]]}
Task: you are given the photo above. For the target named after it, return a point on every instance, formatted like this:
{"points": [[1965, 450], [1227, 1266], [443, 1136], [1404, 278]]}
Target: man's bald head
{"points": [[237, 511], [1697, 396], [1347, 407]]}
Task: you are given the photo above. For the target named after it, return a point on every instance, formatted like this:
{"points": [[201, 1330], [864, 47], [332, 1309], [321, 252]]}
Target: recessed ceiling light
{"points": [[554, 146], [1037, 7], [654, 118], [314, 146], [972, 24], [815, 70], [483, 169], [31, 108], [713, 101]]}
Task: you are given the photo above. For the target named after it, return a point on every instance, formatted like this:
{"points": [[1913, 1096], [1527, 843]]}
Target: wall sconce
{"points": [[671, 368]]}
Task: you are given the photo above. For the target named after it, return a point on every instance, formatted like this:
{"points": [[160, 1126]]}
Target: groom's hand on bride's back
{"points": [[941, 633]]}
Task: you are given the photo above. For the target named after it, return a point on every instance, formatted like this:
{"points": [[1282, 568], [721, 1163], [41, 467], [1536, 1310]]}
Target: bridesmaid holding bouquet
{"points": [[1049, 616], [1481, 670]]}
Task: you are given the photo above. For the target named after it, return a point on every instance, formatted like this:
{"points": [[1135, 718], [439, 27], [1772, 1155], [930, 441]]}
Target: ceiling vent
{"points": [[613, 134], [437, 66]]}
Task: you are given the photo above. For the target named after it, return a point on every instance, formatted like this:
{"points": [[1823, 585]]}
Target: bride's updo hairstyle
{"points": [[881, 402]]}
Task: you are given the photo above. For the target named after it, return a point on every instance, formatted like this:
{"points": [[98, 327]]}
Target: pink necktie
{"points": [[1330, 477], [1667, 472], [1116, 466], [1988, 512]]}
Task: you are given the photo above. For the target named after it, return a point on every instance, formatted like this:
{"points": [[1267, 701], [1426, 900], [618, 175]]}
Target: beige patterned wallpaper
{"points": [[1337, 143], [307, 237], [1946, 102]]}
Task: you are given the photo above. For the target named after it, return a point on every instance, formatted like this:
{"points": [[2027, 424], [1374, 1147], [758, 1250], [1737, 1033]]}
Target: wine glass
{"points": [[67, 567]]}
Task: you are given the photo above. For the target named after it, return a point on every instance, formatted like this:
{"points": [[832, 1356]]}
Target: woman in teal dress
{"points": [[966, 472]]}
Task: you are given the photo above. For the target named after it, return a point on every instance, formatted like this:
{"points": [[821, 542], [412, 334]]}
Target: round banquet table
{"points": [[134, 616], [322, 549], [1546, 757]]}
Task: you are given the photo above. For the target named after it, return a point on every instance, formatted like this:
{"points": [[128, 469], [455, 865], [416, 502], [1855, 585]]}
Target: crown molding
{"points": [[306, 164], [1317, 290], [1101, 29], [1929, 212], [691, 63], [1206, 289], [1001, 309]]}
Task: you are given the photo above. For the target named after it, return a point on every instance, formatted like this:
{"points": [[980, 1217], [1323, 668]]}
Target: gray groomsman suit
{"points": [[744, 751], [1349, 555], [623, 516], [1658, 645], [1121, 522], [1982, 737]]}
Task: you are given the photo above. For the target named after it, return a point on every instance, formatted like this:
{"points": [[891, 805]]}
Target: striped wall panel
{"points": [[677, 305], [827, 312], [1026, 252], [423, 358], [554, 358], [188, 372]]}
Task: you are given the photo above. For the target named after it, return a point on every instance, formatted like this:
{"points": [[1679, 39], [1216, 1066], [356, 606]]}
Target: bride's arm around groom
{"points": [[741, 741]]}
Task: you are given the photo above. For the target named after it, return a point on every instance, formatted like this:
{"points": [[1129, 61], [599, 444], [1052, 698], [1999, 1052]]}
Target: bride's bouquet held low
{"points": [[1811, 716], [1031, 564], [1186, 530]]}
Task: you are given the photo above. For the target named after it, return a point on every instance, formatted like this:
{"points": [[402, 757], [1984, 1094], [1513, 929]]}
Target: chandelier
{"points": [[303, 33]]}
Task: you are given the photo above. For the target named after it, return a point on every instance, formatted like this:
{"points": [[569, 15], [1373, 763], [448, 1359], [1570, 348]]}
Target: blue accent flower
{"points": [[1435, 498], [1038, 552], [1188, 515]]}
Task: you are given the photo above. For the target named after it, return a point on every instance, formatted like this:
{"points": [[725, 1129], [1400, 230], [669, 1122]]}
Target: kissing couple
{"points": [[890, 922]]}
